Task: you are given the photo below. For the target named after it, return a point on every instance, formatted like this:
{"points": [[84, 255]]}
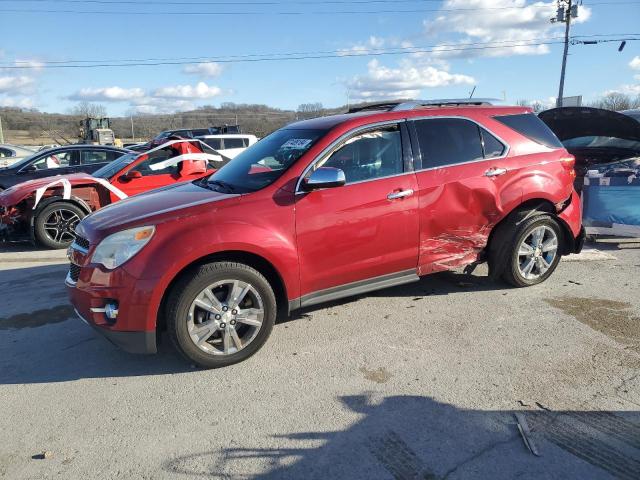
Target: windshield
{"points": [[263, 163], [114, 167], [601, 142]]}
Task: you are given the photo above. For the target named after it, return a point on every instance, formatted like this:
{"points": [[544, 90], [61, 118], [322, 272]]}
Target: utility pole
{"points": [[1, 133], [133, 135], [566, 11]]}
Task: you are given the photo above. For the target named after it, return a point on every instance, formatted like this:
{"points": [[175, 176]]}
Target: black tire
{"points": [[185, 291], [514, 233], [63, 235]]}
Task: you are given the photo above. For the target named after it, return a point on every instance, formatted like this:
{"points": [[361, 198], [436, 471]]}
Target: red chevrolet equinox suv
{"points": [[323, 209]]}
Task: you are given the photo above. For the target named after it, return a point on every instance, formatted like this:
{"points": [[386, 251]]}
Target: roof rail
{"points": [[375, 106], [412, 104]]}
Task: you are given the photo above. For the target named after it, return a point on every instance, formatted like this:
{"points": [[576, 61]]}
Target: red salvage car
{"points": [[47, 210], [323, 209]]}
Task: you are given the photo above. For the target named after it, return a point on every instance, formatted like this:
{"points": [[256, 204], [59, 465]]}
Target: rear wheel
{"points": [[55, 225], [220, 314], [534, 251]]}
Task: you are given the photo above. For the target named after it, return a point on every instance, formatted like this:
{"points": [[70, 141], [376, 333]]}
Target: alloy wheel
{"points": [[61, 224], [225, 317], [537, 252]]}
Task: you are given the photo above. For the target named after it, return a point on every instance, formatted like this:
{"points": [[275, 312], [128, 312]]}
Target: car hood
{"points": [[19, 192], [576, 122], [153, 207]]}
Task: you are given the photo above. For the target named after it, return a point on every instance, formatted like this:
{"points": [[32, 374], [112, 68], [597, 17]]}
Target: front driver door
{"points": [[366, 229]]}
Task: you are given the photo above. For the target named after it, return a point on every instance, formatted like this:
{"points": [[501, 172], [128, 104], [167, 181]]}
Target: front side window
{"points": [[264, 162], [370, 155], [5, 152], [56, 160]]}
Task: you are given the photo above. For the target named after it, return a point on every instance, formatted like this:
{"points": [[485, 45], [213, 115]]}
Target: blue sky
{"points": [[522, 72]]}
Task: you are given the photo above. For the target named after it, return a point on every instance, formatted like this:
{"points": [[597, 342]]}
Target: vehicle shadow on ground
{"points": [[413, 437], [442, 283], [43, 339]]}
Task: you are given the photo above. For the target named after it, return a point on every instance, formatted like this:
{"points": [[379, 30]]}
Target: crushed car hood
{"points": [[150, 207], [576, 122], [19, 192]]}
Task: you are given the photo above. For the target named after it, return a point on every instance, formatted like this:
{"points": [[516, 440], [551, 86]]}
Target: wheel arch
{"points": [[258, 262], [535, 206]]}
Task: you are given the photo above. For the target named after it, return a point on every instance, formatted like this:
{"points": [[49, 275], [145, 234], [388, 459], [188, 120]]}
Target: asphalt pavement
{"points": [[421, 381]]}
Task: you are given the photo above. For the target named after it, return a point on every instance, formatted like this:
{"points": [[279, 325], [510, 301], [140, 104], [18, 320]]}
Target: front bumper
{"points": [[91, 288], [132, 342]]}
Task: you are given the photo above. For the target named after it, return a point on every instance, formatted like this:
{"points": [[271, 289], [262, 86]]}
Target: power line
{"points": [[340, 52], [251, 58], [297, 13], [27, 64], [219, 3], [293, 57]]}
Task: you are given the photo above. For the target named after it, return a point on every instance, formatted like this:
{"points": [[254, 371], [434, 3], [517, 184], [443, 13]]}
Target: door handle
{"points": [[401, 194], [495, 172]]}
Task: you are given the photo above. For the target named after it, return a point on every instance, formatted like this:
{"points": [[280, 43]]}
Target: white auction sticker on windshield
{"points": [[297, 143]]}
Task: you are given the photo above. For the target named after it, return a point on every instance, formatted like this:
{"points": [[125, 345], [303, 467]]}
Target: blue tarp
{"points": [[612, 195]]}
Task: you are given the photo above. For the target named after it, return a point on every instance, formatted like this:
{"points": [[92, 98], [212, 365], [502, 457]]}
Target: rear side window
{"points": [[214, 143], [233, 143], [491, 146], [532, 127], [448, 141]]}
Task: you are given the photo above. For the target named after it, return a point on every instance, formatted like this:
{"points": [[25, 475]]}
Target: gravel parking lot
{"points": [[419, 381]]}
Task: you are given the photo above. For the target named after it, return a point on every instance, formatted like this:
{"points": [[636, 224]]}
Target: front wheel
{"points": [[55, 225], [534, 252], [220, 314]]}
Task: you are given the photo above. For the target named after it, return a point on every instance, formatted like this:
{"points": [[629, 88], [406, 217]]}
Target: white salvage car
{"points": [[229, 144]]}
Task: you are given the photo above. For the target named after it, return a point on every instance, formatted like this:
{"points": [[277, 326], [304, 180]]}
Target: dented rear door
{"points": [[463, 173]]}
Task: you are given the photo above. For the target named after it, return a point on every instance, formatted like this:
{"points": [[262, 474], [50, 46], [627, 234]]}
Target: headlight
{"points": [[116, 249]]}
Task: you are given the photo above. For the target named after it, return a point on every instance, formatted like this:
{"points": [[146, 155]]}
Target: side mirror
{"points": [[29, 169], [324, 177], [130, 175]]}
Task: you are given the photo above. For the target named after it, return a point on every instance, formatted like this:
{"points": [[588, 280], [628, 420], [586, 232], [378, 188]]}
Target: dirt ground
{"points": [[422, 381]]}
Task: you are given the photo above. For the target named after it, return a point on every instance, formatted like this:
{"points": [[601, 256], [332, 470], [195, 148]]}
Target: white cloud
{"points": [[200, 91], [108, 94], [29, 63], [405, 82], [493, 21], [206, 69], [372, 44], [635, 63], [13, 84], [16, 102]]}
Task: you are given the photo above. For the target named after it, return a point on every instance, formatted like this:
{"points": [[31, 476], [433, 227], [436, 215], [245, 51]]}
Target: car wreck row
{"points": [[320, 210], [48, 209]]}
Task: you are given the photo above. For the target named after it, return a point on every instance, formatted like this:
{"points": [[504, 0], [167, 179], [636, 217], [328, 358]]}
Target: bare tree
{"points": [[617, 101], [310, 110], [87, 109]]}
